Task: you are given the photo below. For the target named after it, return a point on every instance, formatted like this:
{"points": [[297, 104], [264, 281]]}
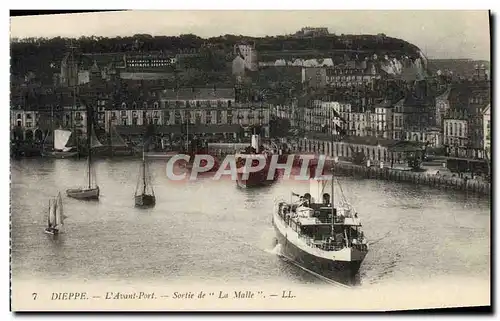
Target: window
{"points": [[155, 105], [134, 105], [145, 105], [124, 122], [124, 105]]}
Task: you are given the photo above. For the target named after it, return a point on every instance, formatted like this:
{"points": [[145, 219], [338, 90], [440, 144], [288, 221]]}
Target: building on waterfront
{"points": [[487, 129], [398, 121], [140, 108], [211, 106], [384, 119], [361, 123], [466, 103], [431, 135], [376, 151], [322, 117], [456, 133]]}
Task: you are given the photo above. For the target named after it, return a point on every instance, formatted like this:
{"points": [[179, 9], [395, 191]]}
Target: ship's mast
{"points": [[332, 198], [74, 87], [143, 171], [89, 141]]}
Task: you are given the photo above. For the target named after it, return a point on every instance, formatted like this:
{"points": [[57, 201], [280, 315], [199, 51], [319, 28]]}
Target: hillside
{"points": [[37, 54]]}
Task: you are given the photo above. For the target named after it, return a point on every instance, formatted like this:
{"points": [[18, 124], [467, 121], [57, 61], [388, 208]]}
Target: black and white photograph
{"points": [[258, 160]]}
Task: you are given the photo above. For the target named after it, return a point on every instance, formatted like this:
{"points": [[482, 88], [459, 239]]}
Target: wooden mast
{"points": [[143, 172]]}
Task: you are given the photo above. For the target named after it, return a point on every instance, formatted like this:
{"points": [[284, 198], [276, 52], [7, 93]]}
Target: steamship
{"points": [[256, 154], [318, 236]]}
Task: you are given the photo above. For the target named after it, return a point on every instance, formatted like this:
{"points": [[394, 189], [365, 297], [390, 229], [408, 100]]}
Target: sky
{"points": [[439, 34]]}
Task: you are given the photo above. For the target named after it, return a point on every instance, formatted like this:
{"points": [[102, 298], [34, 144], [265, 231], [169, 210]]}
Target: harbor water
{"points": [[212, 231]]}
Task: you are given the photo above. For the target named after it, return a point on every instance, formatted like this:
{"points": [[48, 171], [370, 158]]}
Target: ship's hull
{"points": [[255, 179], [108, 151], [51, 231], [83, 193], [59, 155], [340, 271], [145, 200]]}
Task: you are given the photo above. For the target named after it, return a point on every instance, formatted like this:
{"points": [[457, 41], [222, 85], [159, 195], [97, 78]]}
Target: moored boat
{"points": [[63, 147], [91, 191], [144, 193], [84, 193], [256, 154]]}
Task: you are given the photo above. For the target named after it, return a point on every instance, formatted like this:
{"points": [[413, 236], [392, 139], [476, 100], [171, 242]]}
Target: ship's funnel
{"points": [[256, 142], [319, 187]]}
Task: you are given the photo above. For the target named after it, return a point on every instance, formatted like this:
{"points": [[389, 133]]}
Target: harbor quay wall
{"points": [[381, 155], [377, 155], [419, 178]]}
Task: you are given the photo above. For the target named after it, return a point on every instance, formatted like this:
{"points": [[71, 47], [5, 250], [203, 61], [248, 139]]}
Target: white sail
{"points": [[59, 216], [52, 212], [61, 138]]}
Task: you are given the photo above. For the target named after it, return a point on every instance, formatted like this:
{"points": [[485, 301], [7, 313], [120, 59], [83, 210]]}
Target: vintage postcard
{"points": [[250, 161]]}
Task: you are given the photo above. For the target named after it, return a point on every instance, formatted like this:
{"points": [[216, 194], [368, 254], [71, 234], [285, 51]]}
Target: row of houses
{"points": [[459, 119], [197, 106]]}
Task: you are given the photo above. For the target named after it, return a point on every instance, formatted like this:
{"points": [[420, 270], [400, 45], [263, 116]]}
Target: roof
{"points": [[198, 94]]}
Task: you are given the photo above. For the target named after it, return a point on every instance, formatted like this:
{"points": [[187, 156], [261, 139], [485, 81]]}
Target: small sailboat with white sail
{"points": [[144, 193], [55, 219], [63, 146]]}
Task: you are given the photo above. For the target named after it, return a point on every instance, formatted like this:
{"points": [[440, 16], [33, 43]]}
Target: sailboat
{"points": [[143, 197], [91, 190], [115, 145], [55, 219], [61, 140]]}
